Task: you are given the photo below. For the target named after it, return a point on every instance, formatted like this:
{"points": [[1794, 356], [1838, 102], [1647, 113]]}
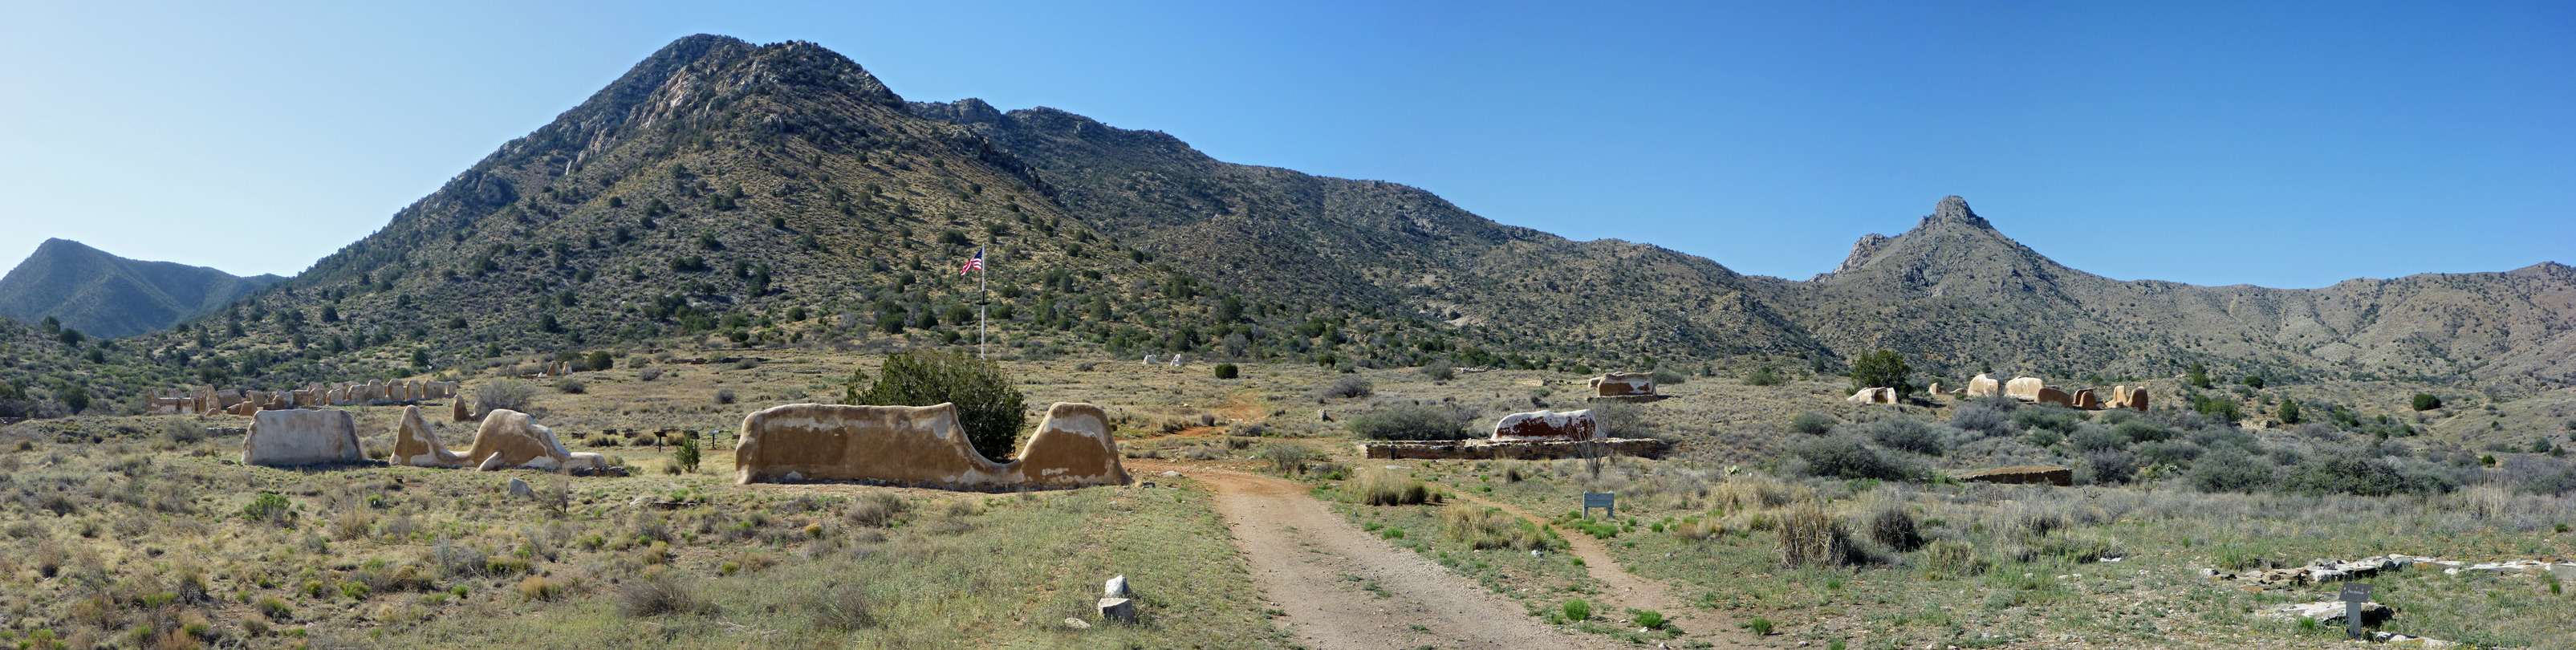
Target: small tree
{"points": [[988, 407], [2427, 402], [1882, 369], [2289, 411], [688, 454], [2197, 376], [1227, 371]]}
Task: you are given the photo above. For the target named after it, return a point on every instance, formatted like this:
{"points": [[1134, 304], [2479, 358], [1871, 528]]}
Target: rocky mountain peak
{"points": [[1953, 209]]}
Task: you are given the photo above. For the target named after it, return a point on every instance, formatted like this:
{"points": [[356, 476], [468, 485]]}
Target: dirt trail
{"points": [[1625, 590], [1305, 557]]}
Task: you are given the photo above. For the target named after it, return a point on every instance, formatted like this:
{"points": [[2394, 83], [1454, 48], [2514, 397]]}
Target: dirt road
{"points": [[1626, 590], [1344, 588]]}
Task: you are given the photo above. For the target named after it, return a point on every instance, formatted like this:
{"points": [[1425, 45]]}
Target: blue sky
{"points": [[2277, 144]]}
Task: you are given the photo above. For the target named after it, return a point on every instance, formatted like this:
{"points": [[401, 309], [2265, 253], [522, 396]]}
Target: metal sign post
{"points": [[2355, 595], [1608, 502]]}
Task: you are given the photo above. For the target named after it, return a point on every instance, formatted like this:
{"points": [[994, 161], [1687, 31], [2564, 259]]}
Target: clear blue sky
{"points": [[2282, 145]]}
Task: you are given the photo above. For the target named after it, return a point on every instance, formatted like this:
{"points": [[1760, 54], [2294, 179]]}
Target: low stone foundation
{"points": [[1531, 450]]}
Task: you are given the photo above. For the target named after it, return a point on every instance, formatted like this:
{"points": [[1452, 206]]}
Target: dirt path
{"points": [[1344, 588], [1625, 590]]}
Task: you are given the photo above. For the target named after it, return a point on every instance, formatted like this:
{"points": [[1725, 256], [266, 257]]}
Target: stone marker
{"points": [[519, 488], [1116, 588], [1122, 610]]}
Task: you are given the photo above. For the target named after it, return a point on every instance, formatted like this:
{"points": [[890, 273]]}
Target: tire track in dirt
{"points": [[1626, 590], [1305, 557]]}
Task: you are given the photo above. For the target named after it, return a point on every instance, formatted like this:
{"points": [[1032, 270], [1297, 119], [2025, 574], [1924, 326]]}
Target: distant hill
{"points": [[722, 192], [107, 296]]}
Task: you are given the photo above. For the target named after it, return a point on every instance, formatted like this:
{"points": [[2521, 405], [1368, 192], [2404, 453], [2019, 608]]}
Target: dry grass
{"points": [[1385, 487]]}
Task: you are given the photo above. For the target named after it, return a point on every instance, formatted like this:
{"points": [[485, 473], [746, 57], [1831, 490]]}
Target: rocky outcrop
{"points": [[1547, 425], [2026, 474], [2024, 388], [300, 437], [920, 445]]}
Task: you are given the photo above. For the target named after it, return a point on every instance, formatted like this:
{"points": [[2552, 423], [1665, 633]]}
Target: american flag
{"points": [[973, 264]]}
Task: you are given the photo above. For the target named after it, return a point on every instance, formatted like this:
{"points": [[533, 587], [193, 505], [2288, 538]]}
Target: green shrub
{"points": [[1893, 527], [1811, 423], [571, 386], [1345, 387], [1411, 422], [2231, 472], [2351, 473], [1488, 528], [1668, 377], [1759, 625], [2289, 412], [1882, 369], [688, 455], [270, 507], [1952, 557], [509, 394], [1577, 610], [1649, 619], [1764, 376], [989, 408], [1288, 457], [1440, 372], [1907, 434], [2426, 402], [1227, 371], [1846, 458]]}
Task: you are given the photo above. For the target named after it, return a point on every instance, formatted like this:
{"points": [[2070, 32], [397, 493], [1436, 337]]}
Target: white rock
{"points": [[519, 488], [1122, 610], [1116, 588], [1076, 623]]}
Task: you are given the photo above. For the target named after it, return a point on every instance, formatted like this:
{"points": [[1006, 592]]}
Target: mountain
{"points": [[725, 193], [107, 296], [1955, 293]]}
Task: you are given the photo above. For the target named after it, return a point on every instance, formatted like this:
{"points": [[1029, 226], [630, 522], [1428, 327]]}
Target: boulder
{"points": [[2050, 474], [2084, 399], [1122, 610], [921, 444], [2050, 395], [1116, 587], [1984, 386], [2024, 388], [1621, 384], [300, 437], [1547, 425], [2325, 611], [459, 411], [507, 439], [1936, 388], [519, 488]]}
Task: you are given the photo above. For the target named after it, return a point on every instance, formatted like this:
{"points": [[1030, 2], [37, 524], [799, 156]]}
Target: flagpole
{"points": [[980, 306]]}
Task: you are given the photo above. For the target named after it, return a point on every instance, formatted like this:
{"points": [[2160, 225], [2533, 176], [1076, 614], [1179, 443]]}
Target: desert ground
{"points": [[1264, 526]]}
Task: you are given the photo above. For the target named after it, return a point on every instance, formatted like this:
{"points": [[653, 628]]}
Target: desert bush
{"points": [[2095, 437], [1982, 418], [2169, 452], [1810, 538], [1288, 457], [989, 408], [726, 396], [658, 594], [1410, 421], [1577, 610], [1907, 434], [509, 394], [688, 455], [1621, 420], [1841, 457], [1882, 369], [1382, 487], [571, 386], [876, 509], [2051, 417], [841, 608], [1895, 529], [1668, 377], [2109, 467], [1439, 372], [1812, 423], [1764, 376], [1952, 557], [2347, 472], [2141, 430], [1751, 491], [1487, 528], [2562, 481], [647, 374], [1227, 371], [2425, 402], [272, 508], [1351, 386], [2232, 472]]}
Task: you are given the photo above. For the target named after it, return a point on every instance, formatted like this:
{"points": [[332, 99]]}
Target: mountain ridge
{"points": [[104, 295]]}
